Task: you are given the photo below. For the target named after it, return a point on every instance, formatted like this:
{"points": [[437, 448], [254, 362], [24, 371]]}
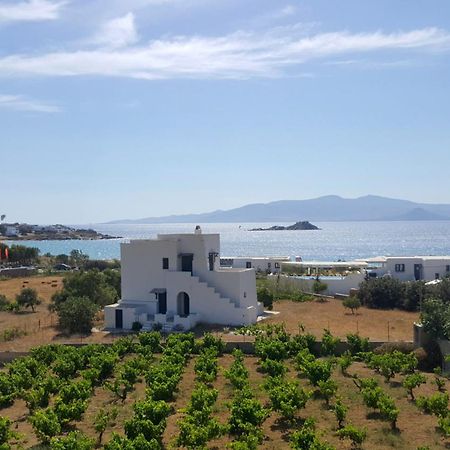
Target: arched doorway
{"points": [[183, 304]]}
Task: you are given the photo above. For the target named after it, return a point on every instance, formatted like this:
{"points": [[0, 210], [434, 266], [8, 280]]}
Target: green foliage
{"points": [[353, 303], [139, 443], [340, 412], [375, 398], [327, 389], [247, 415], [210, 341], [76, 315], [389, 364], [73, 441], [237, 374], [329, 343], [436, 404], [357, 344], [413, 381], [4, 303], [152, 340], [344, 362], [381, 293], [98, 287], [319, 287], [444, 425], [102, 420], [356, 435], [5, 433], [435, 318], [197, 427], [28, 298], [273, 368], [46, 424], [286, 397], [315, 370], [306, 438], [267, 348], [266, 297], [23, 254], [206, 365]]}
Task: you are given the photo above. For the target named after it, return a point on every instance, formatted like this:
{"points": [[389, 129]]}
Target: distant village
{"points": [[24, 232]]}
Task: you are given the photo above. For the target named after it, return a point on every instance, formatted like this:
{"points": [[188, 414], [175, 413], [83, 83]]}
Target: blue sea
{"points": [[334, 241]]}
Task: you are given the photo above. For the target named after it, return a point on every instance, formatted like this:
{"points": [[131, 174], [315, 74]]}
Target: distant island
{"points": [[303, 225], [26, 232], [329, 208]]}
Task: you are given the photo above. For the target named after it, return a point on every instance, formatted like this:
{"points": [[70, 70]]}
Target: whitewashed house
{"points": [[270, 264], [410, 268], [176, 281]]}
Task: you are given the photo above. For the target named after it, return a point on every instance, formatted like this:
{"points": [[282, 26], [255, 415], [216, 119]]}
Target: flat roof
{"points": [[330, 263], [283, 258]]}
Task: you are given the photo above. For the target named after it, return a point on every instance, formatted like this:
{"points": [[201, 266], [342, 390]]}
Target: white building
{"points": [[11, 231], [410, 268], [270, 264], [176, 281]]}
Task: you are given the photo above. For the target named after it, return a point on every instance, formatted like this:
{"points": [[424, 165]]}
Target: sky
{"points": [[114, 109]]}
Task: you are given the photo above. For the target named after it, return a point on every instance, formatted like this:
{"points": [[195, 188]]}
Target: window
{"points": [[447, 268], [165, 263], [269, 265], [277, 265], [248, 264], [436, 276], [245, 294], [399, 267]]}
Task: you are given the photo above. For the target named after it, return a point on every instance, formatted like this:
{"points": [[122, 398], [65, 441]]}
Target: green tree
{"points": [[381, 293], [28, 298], [353, 303], [76, 315], [435, 318]]}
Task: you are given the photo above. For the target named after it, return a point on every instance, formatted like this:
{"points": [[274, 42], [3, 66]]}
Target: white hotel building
{"points": [[176, 281]]}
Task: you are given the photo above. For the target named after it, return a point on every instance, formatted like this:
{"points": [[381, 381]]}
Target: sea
{"points": [[334, 241]]}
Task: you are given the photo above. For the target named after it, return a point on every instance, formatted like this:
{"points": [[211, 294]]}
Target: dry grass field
{"points": [[40, 325], [314, 316], [414, 428], [372, 323]]}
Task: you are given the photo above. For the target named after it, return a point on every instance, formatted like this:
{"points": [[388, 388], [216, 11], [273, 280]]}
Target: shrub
{"points": [[357, 344], [46, 424], [329, 343], [340, 412], [356, 435], [287, 398], [327, 389], [136, 326], [76, 315], [381, 293], [28, 298], [319, 287], [273, 368], [435, 318], [73, 441], [436, 404], [102, 420], [4, 303], [344, 362], [307, 439], [353, 303], [5, 433], [413, 381], [266, 297]]}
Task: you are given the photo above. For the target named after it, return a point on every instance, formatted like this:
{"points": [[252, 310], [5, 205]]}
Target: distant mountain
{"points": [[328, 208]]}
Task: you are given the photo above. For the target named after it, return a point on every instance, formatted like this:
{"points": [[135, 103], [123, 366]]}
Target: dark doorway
{"points": [[119, 318], [162, 303], [186, 263], [183, 306], [418, 271]]}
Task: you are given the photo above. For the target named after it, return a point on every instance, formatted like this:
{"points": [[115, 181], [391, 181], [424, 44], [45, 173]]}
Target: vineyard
{"points": [[149, 392]]}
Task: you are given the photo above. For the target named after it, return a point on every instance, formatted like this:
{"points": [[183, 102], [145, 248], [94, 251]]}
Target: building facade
{"points": [[269, 264], [175, 281]]}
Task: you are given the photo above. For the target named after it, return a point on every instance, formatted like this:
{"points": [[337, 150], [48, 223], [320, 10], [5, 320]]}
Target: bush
{"points": [[353, 303], [76, 315], [412, 381], [73, 441], [381, 293], [136, 326], [265, 297], [435, 318], [28, 298], [286, 397], [46, 424], [319, 287], [4, 303], [5, 433], [390, 347], [357, 344], [329, 343], [307, 439], [436, 404], [340, 412], [356, 435]]}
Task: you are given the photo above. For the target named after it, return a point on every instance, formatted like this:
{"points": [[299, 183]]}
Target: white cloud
{"points": [[21, 103], [237, 55], [31, 10], [119, 32]]}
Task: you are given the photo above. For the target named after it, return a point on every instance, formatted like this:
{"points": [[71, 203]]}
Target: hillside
{"points": [[327, 208]]}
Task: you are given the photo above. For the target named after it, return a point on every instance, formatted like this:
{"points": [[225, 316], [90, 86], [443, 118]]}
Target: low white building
{"points": [[410, 268], [12, 231], [176, 281], [270, 264]]}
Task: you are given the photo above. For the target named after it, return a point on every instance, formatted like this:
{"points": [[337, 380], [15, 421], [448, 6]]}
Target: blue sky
{"points": [[125, 109]]}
